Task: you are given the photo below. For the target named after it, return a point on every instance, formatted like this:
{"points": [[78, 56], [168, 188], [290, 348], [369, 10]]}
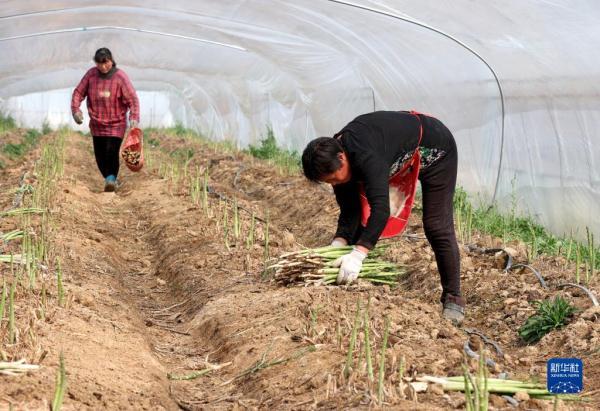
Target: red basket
{"points": [[133, 144]]}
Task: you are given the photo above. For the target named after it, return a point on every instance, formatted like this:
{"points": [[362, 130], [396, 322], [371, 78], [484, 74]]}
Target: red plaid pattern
{"points": [[107, 102]]}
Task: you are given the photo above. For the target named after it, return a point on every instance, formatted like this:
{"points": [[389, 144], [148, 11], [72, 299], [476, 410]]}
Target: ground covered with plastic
{"points": [[161, 283]]}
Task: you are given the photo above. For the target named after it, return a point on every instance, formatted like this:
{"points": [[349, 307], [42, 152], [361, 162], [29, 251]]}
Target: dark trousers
{"points": [[438, 182], [106, 151]]}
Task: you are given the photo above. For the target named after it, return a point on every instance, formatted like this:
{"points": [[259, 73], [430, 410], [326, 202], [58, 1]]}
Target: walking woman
{"points": [[362, 158], [110, 95]]}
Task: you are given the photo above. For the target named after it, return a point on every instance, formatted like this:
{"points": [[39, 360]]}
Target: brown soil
{"points": [[153, 289]]}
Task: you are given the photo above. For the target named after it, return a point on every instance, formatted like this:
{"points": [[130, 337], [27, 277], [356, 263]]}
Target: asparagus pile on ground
{"points": [[16, 367], [131, 157], [496, 386], [315, 266]]}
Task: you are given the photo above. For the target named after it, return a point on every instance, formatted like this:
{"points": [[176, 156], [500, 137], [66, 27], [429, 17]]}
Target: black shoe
{"points": [[453, 312]]}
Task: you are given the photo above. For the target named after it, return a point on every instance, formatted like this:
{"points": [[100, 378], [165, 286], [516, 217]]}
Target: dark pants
{"points": [[438, 182], [106, 150]]}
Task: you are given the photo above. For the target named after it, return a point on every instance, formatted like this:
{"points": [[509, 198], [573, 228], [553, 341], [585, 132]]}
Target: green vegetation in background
{"points": [[288, 161], [14, 151], [551, 314], [17, 150], [177, 130], [7, 123], [154, 142], [268, 150], [510, 227], [46, 129], [182, 154]]}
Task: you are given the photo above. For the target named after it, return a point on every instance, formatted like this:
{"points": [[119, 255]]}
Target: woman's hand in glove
{"points": [[350, 266], [339, 242]]}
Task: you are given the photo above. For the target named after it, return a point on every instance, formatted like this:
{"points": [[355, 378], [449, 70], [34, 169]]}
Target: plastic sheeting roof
{"points": [[307, 67]]}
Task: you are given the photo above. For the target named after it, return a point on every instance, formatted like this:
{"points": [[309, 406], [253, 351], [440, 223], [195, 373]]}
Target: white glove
{"points": [[350, 265], [133, 124], [339, 242], [78, 117]]}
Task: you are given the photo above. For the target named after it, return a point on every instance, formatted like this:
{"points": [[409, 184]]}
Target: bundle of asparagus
{"points": [[315, 266], [131, 157], [497, 386]]}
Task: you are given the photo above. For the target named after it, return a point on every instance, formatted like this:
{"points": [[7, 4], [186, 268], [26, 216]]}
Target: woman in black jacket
{"points": [[365, 154]]}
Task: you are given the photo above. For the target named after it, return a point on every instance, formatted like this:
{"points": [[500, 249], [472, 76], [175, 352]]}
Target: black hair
{"points": [[321, 157], [103, 54]]}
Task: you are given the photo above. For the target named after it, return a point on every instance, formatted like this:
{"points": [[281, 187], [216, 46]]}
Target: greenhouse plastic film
{"points": [[230, 69]]}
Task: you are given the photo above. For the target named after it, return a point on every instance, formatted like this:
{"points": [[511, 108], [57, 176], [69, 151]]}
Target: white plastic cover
{"points": [[229, 68]]}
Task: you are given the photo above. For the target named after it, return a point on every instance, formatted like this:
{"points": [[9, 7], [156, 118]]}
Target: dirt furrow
{"points": [[162, 285]]}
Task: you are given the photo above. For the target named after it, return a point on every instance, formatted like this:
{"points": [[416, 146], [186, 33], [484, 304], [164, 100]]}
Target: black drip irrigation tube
{"points": [[488, 361], [589, 293], [488, 341], [483, 250], [510, 266], [536, 272], [469, 351]]}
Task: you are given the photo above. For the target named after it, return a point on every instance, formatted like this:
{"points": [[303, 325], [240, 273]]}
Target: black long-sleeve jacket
{"points": [[373, 142]]}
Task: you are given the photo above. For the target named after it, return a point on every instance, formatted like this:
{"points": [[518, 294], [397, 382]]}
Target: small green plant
{"points": [[264, 363], [268, 150], [577, 263], [382, 361], [59, 281], [250, 236], [43, 300], [180, 130], [61, 384], [569, 249], [477, 395], [401, 368], [551, 314], [205, 204], [32, 136], [14, 151], [12, 335], [267, 251], [7, 123], [46, 129], [2, 300], [352, 344], [591, 255], [533, 251], [17, 150], [314, 316], [182, 155], [195, 187], [368, 355], [236, 220]]}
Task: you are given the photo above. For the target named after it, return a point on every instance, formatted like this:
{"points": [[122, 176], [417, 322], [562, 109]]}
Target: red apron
{"points": [[403, 186]]}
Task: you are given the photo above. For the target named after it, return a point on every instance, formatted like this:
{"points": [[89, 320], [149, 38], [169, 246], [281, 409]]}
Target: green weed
{"points": [[551, 314]]}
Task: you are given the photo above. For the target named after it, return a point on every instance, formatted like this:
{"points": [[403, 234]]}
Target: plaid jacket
{"points": [[107, 101]]}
